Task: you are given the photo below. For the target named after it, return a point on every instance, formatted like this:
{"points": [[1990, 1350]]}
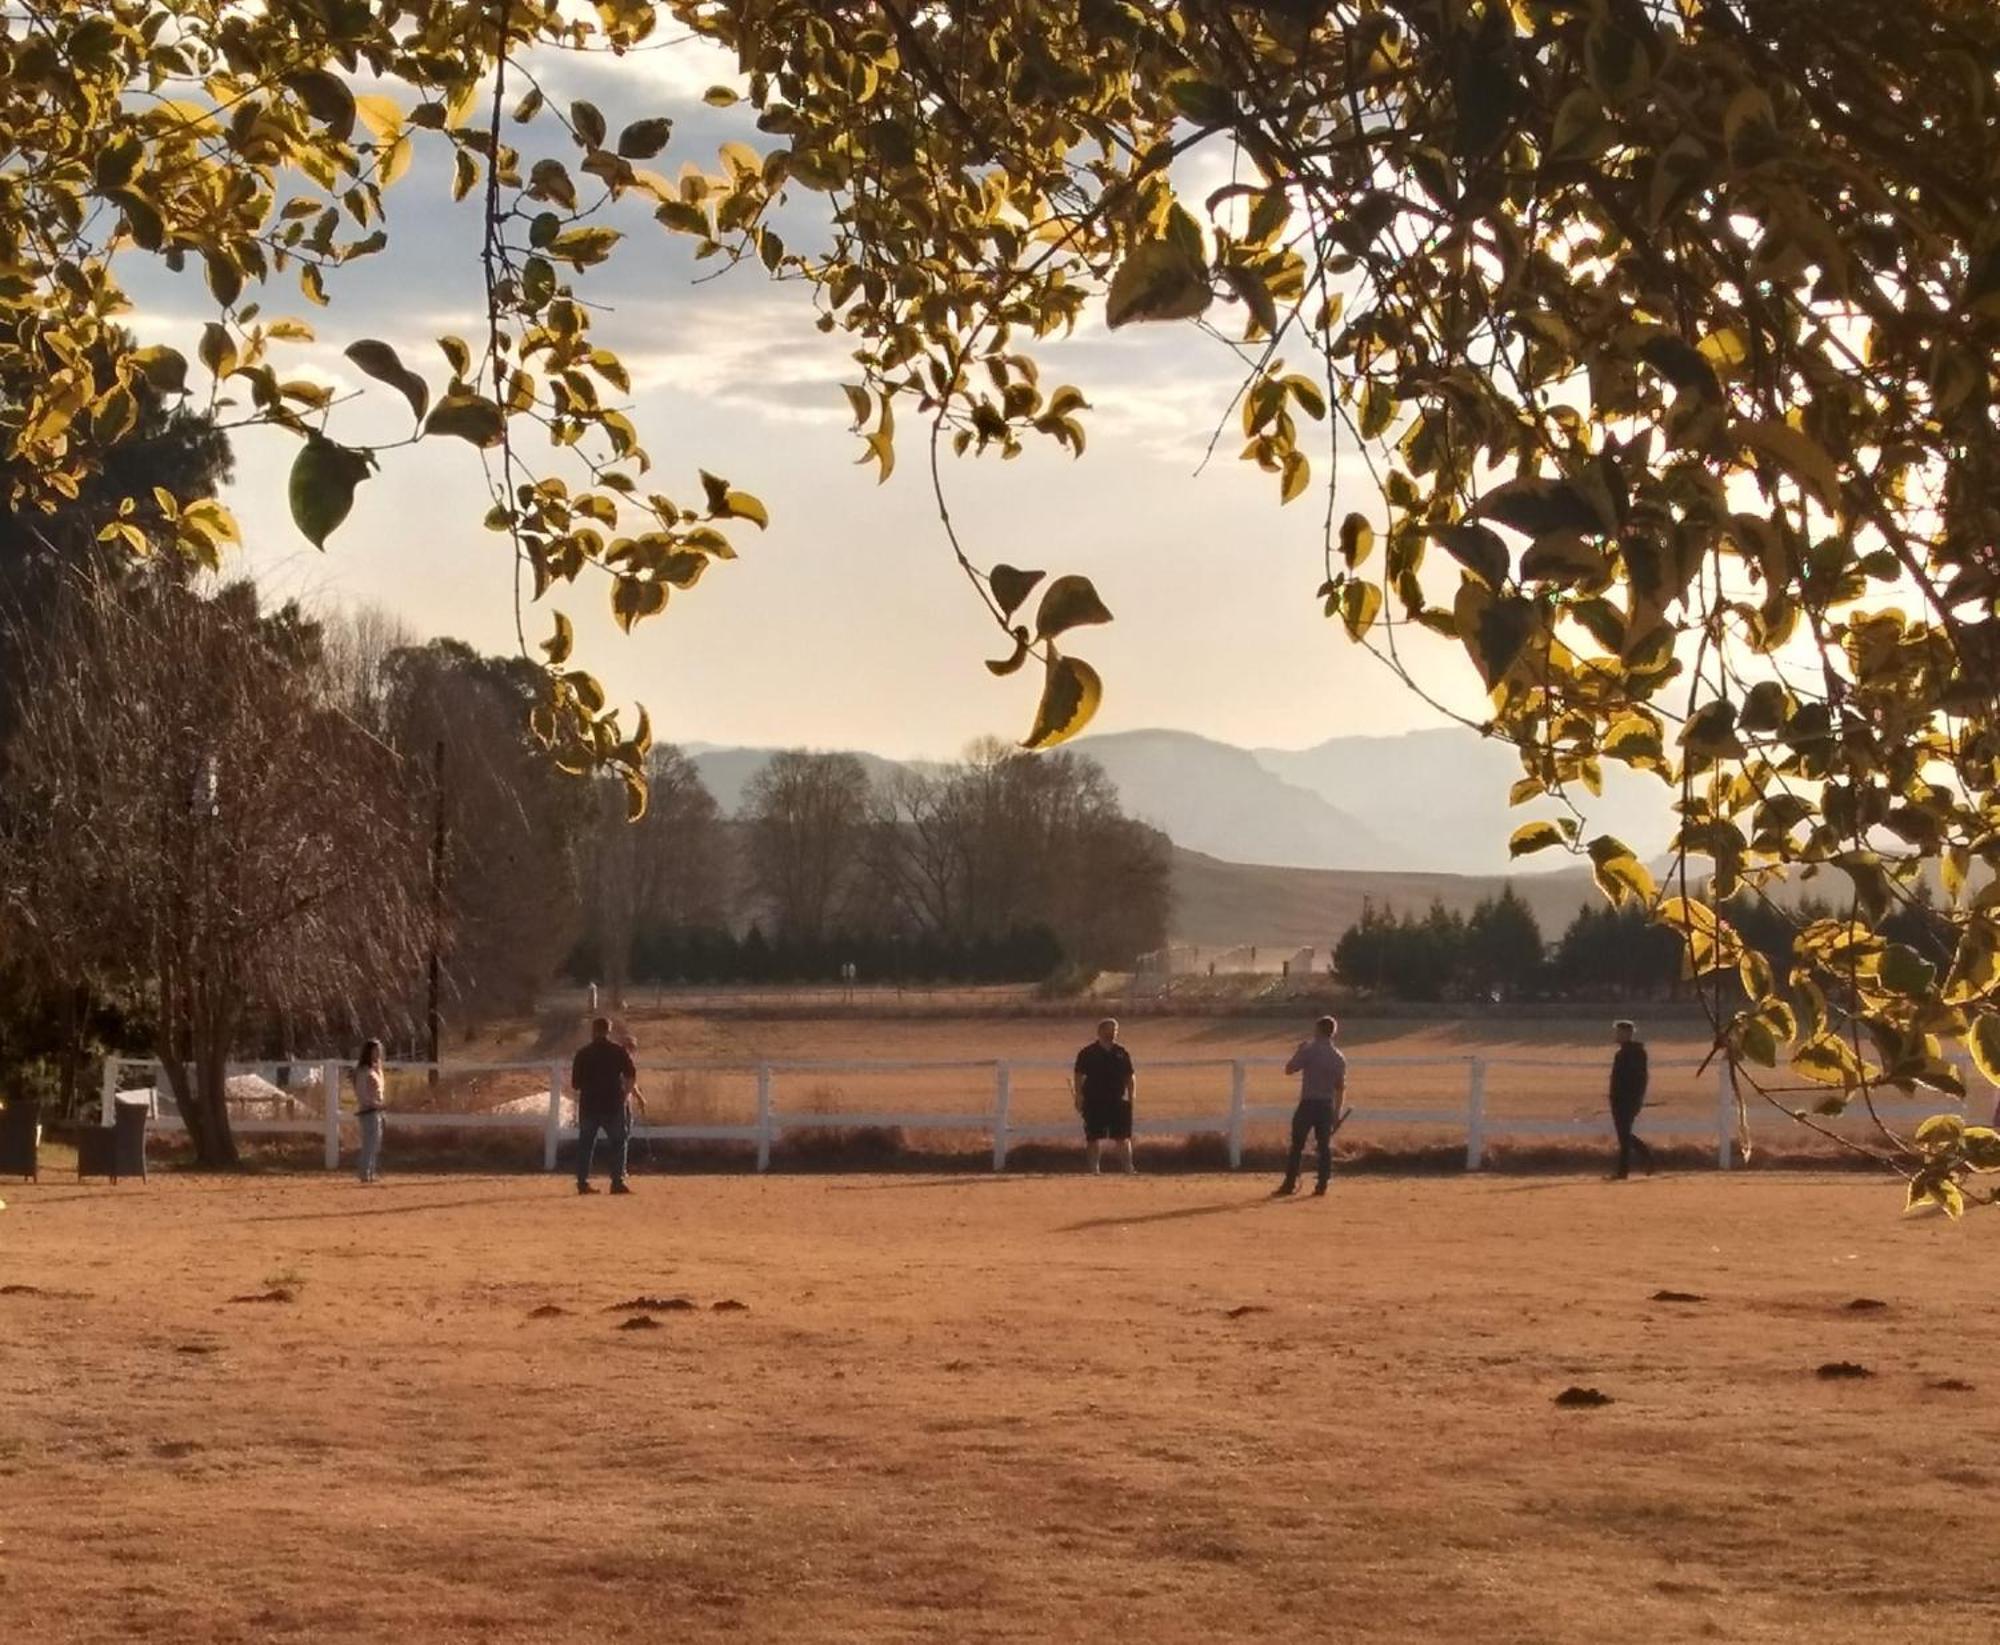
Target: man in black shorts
{"points": [[1102, 1085], [603, 1076]]}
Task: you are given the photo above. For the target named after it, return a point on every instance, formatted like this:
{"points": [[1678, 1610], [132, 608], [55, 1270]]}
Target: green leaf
{"points": [[1982, 1043], [1563, 557], [1905, 971], [1497, 632], [1360, 605], [217, 349], [380, 361], [1682, 364], [1940, 1131], [1071, 692], [116, 163], [1801, 456], [323, 481], [589, 123], [1581, 131], [1711, 730], [1828, 1060], [1068, 602], [327, 99], [1357, 539], [1159, 280], [558, 646], [1536, 507], [165, 369], [1011, 664], [1012, 587], [1253, 293], [1619, 873], [1202, 101], [643, 139], [1297, 474], [1479, 549], [1534, 836], [1310, 397], [470, 417], [1378, 410]]}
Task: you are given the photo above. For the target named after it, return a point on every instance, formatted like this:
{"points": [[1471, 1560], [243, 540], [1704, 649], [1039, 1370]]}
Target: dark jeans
{"points": [[1623, 1116], [612, 1122], [1313, 1116]]}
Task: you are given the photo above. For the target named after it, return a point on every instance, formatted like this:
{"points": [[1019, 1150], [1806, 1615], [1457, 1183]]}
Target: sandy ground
{"points": [[1049, 1408]]}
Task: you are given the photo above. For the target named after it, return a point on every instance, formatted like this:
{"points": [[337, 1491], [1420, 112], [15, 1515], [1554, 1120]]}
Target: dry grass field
{"points": [[1022, 1409]]}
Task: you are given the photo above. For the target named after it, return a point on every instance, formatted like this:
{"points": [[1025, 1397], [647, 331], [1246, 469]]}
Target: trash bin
{"points": [[134, 1111], [20, 1138]]}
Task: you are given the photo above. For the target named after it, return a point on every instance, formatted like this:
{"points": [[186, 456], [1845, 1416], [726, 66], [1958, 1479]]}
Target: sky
{"points": [[847, 623]]}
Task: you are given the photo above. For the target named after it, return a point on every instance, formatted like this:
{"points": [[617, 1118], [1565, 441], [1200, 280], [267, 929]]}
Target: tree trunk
{"points": [[191, 1112], [213, 1100]]}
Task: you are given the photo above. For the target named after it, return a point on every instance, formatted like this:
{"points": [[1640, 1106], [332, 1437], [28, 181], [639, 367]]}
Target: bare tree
{"points": [[1003, 841], [669, 870], [355, 650], [807, 817], [187, 821], [505, 884]]}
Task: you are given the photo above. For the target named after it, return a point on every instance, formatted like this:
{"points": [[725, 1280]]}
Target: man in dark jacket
{"points": [[1628, 1096], [603, 1076]]}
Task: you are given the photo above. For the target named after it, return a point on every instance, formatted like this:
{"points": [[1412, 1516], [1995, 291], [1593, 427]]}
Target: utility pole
{"points": [[433, 1018]]}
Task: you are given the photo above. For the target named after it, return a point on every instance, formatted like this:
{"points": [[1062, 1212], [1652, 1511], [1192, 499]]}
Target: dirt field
{"points": [[1163, 1409]]}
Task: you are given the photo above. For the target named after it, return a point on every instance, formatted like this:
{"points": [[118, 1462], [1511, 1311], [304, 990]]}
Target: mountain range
{"points": [[1421, 803]]}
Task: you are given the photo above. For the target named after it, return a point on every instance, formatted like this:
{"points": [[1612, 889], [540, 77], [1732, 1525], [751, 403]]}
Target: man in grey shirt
{"points": [[1322, 1072]]}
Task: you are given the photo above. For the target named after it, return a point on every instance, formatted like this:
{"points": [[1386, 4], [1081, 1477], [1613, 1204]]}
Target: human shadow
{"points": [[380, 1210], [1220, 1209], [972, 1180]]}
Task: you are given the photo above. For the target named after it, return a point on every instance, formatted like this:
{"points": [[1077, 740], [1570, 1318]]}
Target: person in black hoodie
{"points": [[1628, 1096]]}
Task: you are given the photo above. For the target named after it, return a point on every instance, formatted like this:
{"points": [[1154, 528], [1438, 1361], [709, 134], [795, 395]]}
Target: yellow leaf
{"points": [[1071, 692], [380, 115], [1801, 456], [742, 506]]}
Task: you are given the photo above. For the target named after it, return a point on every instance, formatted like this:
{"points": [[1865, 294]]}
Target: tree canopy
{"points": [[1662, 330]]}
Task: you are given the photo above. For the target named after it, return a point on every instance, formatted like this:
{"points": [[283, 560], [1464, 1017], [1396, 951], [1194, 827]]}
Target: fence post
{"points": [[1236, 1086], [763, 1116], [552, 1126], [108, 1098], [1725, 1116], [329, 1084], [1475, 1115], [1003, 1097]]}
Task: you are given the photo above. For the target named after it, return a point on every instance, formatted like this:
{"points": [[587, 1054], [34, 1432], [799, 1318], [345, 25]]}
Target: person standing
{"points": [[603, 1076], [370, 1103], [1628, 1096], [1102, 1085], [1322, 1072]]}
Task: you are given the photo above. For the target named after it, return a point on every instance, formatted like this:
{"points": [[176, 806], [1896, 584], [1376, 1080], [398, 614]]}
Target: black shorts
{"points": [[1107, 1117]]}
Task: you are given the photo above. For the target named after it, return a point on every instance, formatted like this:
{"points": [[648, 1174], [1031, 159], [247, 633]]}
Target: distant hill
{"points": [[1220, 904], [1222, 800], [728, 771], [1425, 802], [1443, 796]]}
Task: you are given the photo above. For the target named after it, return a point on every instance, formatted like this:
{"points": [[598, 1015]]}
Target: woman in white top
{"points": [[370, 1102]]}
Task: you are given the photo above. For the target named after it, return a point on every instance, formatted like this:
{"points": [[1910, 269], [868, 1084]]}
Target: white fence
{"points": [[1231, 1119]]}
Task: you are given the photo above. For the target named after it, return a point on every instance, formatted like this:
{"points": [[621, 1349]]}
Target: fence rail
{"points": [[1474, 1117]]}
